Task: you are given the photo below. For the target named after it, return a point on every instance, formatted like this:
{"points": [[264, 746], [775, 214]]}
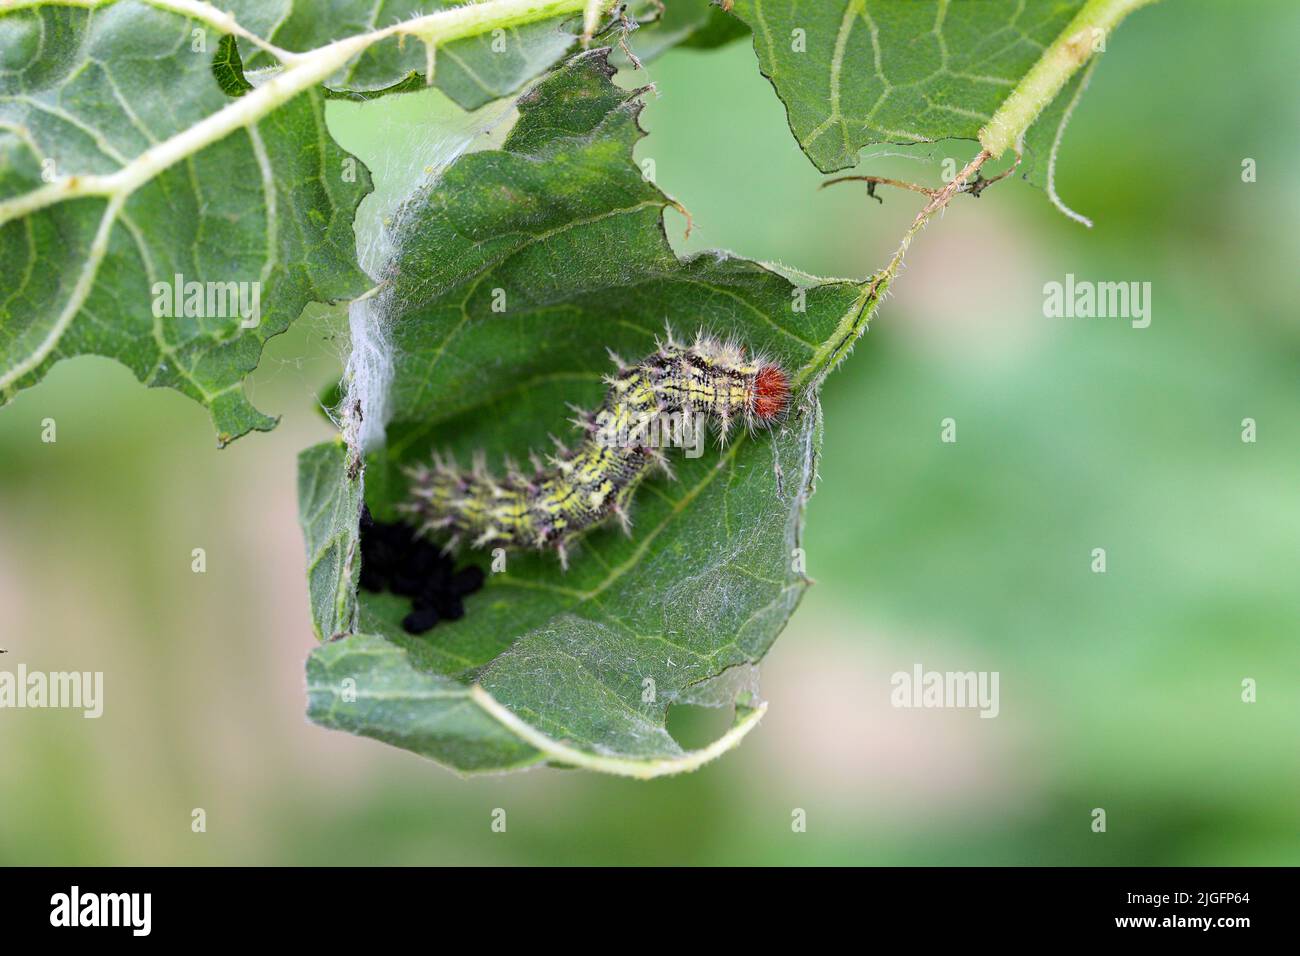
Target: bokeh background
{"points": [[1120, 691]]}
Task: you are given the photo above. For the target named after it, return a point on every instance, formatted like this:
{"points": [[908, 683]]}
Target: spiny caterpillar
{"points": [[673, 389]]}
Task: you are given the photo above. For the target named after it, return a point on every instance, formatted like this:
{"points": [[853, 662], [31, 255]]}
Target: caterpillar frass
{"points": [[671, 392]]}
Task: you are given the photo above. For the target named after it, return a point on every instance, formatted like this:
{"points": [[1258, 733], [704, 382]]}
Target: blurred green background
{"points": [[1120, 691]]}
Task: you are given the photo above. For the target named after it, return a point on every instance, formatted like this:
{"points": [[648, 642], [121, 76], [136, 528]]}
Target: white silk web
{"points": [[406, 142]]}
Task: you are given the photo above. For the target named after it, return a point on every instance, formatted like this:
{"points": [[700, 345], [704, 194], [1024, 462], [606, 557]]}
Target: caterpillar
{"points": [[671, 393]]}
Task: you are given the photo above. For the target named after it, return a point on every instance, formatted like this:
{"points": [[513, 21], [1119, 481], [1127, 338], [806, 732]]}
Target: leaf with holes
{"points": [[162, 206], [144, 218], [515, 272]]}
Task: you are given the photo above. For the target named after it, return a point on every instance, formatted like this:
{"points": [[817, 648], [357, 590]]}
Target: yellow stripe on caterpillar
{"points": [[585, 486]]}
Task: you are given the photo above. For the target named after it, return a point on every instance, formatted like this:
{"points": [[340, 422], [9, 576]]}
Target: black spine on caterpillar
{"points": [[676, 387]]}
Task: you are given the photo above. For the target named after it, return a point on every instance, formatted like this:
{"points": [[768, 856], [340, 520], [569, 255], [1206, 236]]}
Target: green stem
{"points": [[1069, 51], [474, 19], [1060, 61]]}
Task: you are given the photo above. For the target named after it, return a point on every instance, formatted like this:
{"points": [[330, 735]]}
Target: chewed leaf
{"points": [[515, 274], [132, 227]]}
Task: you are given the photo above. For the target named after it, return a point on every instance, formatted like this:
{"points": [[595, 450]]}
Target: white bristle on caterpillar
{"points": [[583, 487]]}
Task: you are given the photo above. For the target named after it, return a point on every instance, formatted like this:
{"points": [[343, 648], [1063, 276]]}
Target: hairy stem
{"points": [[1005, 130], [873, 181], [854, 322], [1060, 61]]}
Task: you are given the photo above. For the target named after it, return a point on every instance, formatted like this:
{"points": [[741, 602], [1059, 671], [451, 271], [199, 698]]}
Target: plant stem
{"points": [[1067, 53], [854, 322], [882, 181], [304, 70]]}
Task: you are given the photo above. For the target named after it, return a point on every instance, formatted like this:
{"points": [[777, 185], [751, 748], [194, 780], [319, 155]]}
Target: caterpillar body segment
{"points": [[577, 489]]}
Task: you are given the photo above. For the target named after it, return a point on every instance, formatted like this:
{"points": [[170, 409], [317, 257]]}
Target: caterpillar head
{"points": [[771, 394]]}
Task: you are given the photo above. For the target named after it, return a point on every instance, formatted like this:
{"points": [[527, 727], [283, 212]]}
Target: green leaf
{"points": [[228, 68], [471, 71], [560, 228], [329, 508], [896, 71], [113, 183], [367, 686]]}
